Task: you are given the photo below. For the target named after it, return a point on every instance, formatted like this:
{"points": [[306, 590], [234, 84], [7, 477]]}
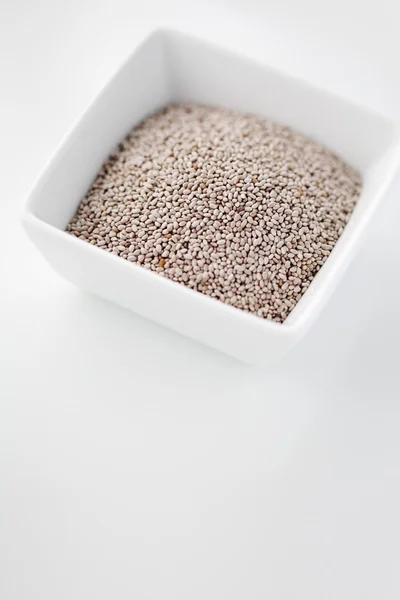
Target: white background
{"points": [[135, 464]]}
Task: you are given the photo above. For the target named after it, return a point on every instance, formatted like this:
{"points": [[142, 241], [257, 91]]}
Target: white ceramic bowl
{"points": [[167, 67]]}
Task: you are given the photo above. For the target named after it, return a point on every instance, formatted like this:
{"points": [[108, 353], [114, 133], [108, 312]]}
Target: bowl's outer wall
{"points": [[246, 337]]}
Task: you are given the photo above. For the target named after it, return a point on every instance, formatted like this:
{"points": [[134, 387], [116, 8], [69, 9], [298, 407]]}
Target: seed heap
{"points": [[229, 204]]}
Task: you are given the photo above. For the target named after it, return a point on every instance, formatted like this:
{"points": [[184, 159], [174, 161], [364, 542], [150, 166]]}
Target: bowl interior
{"points": [[203, 73]]}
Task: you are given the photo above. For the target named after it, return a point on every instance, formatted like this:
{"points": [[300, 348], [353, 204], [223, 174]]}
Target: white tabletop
{"points": [[136, 464]]}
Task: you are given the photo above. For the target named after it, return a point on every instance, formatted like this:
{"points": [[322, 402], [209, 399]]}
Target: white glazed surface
{"points": [[174, 67]]}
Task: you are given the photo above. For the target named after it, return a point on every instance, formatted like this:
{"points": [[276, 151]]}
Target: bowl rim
{"points": [[301, 317]]}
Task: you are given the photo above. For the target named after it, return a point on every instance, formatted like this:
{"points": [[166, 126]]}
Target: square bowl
{"points": [[172, 67]]}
